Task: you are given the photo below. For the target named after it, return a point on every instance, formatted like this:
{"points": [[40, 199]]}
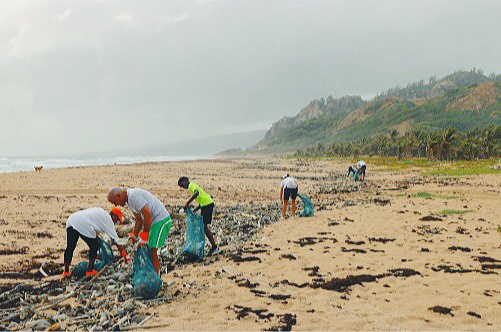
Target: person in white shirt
{"points": [[288, 189], [151, 217], [85, 224], [361, 167]]}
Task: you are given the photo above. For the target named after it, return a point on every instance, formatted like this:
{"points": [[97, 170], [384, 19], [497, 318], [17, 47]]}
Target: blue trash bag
{"points": [[195, 237], [104, 252], [308, 206], [146, 282]]}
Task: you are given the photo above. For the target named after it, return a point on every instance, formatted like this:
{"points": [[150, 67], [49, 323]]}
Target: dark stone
{"points": [[441, 310]]}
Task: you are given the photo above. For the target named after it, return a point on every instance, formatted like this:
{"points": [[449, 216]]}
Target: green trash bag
{"points": [[355, 176], [104, 252], [145, 280], [195, 237], [308, 206]]}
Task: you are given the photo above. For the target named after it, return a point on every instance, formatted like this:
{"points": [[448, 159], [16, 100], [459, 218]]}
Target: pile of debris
{"points": [[104, 302], [107, 302]]}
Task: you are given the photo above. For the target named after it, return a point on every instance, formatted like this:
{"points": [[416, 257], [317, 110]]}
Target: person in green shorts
{"points": [[151, 217], [206, 205]]}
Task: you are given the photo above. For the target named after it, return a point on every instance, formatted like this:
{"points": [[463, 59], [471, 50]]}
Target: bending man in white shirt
{"points": [[86, 224], [361, 167], [151, 217], [288, 189]]}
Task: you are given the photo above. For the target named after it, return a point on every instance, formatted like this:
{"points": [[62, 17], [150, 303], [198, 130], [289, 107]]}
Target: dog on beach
{"points": [[38, 168]]}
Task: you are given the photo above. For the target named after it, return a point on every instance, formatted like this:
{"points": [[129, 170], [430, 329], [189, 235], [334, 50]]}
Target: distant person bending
{"points": [[205, 204], [288, 189], [151, 217], [352, 169], [86, 224], [361, 167]]}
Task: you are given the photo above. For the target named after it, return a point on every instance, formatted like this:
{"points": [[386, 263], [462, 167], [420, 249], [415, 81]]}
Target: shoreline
{"points": [[93, 162]]}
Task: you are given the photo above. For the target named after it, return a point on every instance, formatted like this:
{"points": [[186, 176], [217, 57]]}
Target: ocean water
{"points": [[26, 164]]}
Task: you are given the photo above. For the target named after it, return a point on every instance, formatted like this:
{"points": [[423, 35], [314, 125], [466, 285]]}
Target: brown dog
{"points": [[38, 168]]}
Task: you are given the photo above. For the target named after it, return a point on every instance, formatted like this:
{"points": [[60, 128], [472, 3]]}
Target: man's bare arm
{"points": [[139, 223], [146, 214], [195, 195]]}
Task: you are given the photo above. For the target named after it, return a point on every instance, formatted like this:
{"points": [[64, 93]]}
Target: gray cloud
{"points": [[84, 76]]}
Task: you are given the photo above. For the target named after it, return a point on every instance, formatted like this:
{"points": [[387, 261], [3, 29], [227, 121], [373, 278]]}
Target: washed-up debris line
{"points": [[107, 302], [338, 183], [104, 302], [232, 227]]}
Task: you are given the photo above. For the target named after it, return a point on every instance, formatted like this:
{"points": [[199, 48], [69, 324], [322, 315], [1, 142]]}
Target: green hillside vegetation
{"points": [[448, 143], [463, 100]]}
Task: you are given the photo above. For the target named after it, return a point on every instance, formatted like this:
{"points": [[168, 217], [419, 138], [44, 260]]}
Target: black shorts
{"points": [[206, 212], [288, 192], [362, 170]]}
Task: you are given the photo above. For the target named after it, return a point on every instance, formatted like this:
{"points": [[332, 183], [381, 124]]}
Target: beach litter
{"points": [[146, 282], [307, 206], [106, 257], [112, 300], [195, 237]]}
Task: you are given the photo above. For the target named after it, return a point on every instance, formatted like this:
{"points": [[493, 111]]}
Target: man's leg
{"points": [[154, 259], [284, 207], [207, 219], [93, 244], [71, 243], [158, 233], [294, 196], [209, 235]]}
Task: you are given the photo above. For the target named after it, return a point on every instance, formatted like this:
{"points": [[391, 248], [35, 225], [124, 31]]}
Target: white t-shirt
{"points": [[137, 198], [288, 182], [91, 221], [360, 163]]}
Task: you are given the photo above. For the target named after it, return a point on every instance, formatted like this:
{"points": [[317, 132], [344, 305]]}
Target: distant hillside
{"points": [[464, 99]]}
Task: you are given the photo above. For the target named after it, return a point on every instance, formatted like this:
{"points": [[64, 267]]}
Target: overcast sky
{"points": [[86, 76]]}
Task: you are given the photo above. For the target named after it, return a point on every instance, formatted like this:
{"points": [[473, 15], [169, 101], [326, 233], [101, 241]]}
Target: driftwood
{"points": [[154, 326], [84, 287], [54, 303]]}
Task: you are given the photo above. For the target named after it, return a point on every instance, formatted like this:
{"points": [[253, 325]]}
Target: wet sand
{"points": [[374, 256]]}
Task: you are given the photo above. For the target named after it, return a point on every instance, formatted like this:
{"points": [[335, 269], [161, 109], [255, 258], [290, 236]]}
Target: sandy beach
{"points": [[377, 255]]}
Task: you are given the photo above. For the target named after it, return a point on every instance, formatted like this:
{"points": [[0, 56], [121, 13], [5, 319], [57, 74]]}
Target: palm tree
{"points": [[447, 143]]}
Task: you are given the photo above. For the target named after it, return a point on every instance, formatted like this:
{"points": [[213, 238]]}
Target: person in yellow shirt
{"points": [[205, 204]]}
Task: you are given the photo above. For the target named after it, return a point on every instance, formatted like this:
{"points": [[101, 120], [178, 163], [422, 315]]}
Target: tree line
{"points": [[448, 143]]}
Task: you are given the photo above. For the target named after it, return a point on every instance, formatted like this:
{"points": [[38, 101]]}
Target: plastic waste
{"points": [[355, 176], [105, 253], [195, 237], [145, 281], [308, 206]]}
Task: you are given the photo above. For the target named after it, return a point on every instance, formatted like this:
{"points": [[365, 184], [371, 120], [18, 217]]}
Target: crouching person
{"points": [[85, 224]]}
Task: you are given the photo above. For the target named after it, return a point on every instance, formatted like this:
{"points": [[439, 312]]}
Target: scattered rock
{"points": [[380, 239], [356, 243], [441, 310], [463, 249], [474, 314], [430, 218], [286, 323]]}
